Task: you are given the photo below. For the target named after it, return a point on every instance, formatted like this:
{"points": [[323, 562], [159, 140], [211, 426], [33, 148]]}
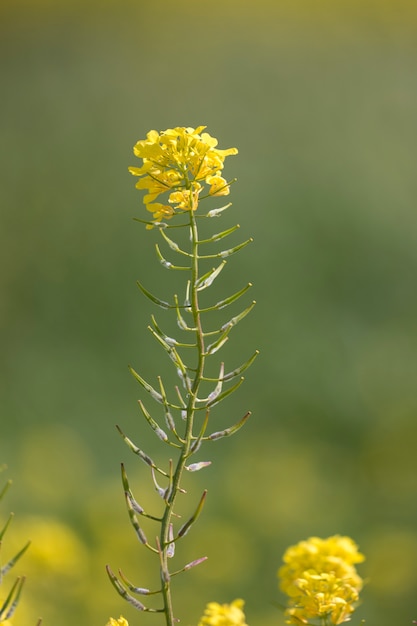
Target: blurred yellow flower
{"points": [[56, 548], [321, 595], [224, 614], [336, 554], [320, 578], [117, 622], [174, 161]]}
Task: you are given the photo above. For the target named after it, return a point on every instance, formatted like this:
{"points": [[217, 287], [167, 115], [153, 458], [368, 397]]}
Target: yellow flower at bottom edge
{"points": [[117, 622], [322, 595], [224, 614]]}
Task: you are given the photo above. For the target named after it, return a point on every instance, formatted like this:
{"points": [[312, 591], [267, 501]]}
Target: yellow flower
{"points": [[160, 211], [320, 578], [336, 554], [174, 161], [187, 199], [321, 595], [224, 614], [219, 186], [117, 622]]}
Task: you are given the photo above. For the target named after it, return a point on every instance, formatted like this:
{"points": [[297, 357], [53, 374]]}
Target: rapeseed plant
{"points": [[180, 168]]}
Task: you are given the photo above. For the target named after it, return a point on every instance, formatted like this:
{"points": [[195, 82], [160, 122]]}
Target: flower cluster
{"points": [[117, 622], [178, 161], [321, 580], [224, 614]]}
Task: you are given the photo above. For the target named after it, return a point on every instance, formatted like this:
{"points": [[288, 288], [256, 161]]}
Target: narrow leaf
{"points": [[151, 224], [238, 371], [169, 348], [235, 320], [134, 521], [226, 253], [180, 320], [167, 264], [6, 568], [208, 279], [229, 431], [226, 393], [145, 458], [174, 246], [141, 591], [186, 527], [155, 395], [216, 392], [221, 235], [219, 211], [175, 358], [165, 575], [181, 399], [187, 303], [126, 596], [165, 401], [218, 389], [195, 446], [162, 492], [154, 299], [133, 502], [190, 565], [5, 488], [223, 303], [231, 251], [168, 417], [152, 423], [171, 341], [5, 527], [9, 605], [220, 341]]}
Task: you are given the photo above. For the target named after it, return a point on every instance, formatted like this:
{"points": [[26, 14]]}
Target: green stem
{"points": [[185, 450]]}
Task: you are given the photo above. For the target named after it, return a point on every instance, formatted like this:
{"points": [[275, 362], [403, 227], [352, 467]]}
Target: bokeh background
{"points": [[320, 98]]}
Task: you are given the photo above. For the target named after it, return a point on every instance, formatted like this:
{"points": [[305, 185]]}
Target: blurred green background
{"points": [[320, 98]]}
